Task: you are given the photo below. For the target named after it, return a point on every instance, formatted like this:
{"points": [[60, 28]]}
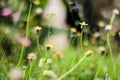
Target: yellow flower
{"points": [[48, 46], [37, 28], [36, 2], [73, 30], [58, 54], [83, 24]]}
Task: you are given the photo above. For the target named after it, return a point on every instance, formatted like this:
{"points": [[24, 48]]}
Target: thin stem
{"points": [[27, 35], [72, 69], [38, 45], [99, 66], [30, 70], [81, 41], [111, 55]]}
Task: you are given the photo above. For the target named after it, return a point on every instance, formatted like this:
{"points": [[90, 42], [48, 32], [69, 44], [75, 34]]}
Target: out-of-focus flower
{"points": [[108, 27], [24, 41], [6, 12], [88, 53], [31, 56], [83, 24], [15, 16], [37, 28], [73, 30], [36, 2], [101, 23], [96, 34], [58, 54], [49, 61], [51, 74], [48, 46], [119, 33], [15, 74], [39, 10], [116, 11], [41, 62], [102, 49]]}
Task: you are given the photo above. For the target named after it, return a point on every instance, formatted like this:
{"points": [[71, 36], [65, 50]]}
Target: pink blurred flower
{"points": [[15, 16], [6, 12], [24, 41]]}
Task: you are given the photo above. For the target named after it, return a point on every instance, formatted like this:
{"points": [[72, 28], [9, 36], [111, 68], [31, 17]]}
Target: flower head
{"points": [[37, 28], [73, 30], [51, 74], [15, 74], [108, 27], [41, 62], [48, 46], [24, 41], [49, 61], [36, 2], [88, 53], [31, 56], [116, 11], [6, 12], [58, 54], [83, 24]]}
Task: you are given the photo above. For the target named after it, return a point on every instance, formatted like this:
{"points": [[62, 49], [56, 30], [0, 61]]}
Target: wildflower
{"points": [[31, 56], [108, 27], [36, 2], [39, 10], [49, 61], [15, 74], [51, 74], [96, 34], [41, 62], [102, 49], [73, 30], [119, 33], [116, 11], [83, 24], [15, 16], [58, 54], [88, 53], [48, 46], [6, 12], [24, 41], [101, 23], [37, 28]]}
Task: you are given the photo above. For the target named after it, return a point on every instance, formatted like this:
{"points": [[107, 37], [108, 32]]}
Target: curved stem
{"points": [[72, 69], [111, 55], [26, 36]]}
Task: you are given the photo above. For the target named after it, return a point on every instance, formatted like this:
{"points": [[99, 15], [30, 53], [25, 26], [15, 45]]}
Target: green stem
{"points": [[30, 70], [111, 55], [81, 41], [72, 69], [27, 35]]}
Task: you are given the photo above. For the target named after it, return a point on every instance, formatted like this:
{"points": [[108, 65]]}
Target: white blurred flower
{"points": [[96, 34], [39, 10], [49, 61], [41, 62], [119, 33], [31, 56], [15, 74], [116, 11], [108, 27], [101, 23], [51, 74]]}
